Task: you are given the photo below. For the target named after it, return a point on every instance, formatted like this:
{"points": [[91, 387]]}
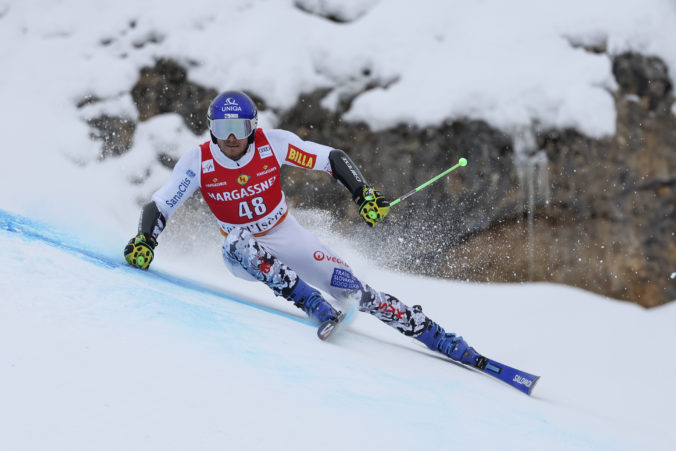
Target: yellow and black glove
{"points": [[139, 251], [373, 207]]}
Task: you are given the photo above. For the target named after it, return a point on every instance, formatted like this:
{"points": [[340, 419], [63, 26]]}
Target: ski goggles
{"points": [[241, 128]]}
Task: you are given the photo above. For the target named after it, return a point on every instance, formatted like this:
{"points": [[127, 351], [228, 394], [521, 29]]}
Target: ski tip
{"points": [[532, 385], [522, 381]]}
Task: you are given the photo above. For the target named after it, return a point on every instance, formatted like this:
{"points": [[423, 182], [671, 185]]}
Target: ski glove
{"points": [[139, 251], [373, 207]]}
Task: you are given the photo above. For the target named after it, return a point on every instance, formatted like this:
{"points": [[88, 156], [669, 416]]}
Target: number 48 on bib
{"points": [[246, 210]]}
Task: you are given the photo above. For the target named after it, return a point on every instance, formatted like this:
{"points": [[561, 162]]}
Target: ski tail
{"points": [[327, 327]]}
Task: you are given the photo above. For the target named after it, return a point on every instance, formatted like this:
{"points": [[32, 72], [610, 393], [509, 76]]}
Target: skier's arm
{"points": [[184, 180], [140, 250], [290, 149], [346, 172], [152, 222], [373, 207]]}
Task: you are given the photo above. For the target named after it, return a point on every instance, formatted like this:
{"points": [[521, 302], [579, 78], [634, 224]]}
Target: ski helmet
{"points": [[232, 112]]}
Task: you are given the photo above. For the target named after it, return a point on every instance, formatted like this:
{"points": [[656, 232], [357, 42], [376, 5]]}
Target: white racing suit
{"points": [[264, 242]]}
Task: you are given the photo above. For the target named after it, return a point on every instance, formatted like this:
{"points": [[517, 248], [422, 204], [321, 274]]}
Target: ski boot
{"points": [[311, 302], [449, 344]]}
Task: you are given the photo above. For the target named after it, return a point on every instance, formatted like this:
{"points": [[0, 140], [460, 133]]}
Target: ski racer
{"points": [[238, 173]]}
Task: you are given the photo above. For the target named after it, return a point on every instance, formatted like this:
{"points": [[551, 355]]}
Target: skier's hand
{"points": [[139, 251], [373, 207]]}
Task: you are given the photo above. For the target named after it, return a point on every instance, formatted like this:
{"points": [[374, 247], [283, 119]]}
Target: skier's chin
{"points": [[233, 152]]}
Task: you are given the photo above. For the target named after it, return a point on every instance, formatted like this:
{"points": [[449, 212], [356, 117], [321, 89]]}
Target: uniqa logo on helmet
{"points": [[231, 105]]}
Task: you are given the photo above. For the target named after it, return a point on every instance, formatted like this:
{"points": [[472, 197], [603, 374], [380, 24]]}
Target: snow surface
{"points": [[96, 356]]}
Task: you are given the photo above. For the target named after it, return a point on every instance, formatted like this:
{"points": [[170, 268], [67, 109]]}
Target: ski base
{"points": [[522, 381], [327, 327]]}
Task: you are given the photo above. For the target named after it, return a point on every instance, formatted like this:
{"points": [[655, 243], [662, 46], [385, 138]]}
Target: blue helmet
{"points": [[232, 112]]}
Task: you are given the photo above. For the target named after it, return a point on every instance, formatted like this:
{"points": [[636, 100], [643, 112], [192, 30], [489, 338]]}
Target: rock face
{"points": [[115, 133], [596, 214], [610, 221], [165, 88]]}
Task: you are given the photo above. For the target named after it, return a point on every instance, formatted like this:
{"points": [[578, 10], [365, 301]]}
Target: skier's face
{"points": [[232, 147]]}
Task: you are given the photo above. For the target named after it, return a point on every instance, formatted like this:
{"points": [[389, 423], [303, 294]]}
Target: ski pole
{"points": [[461, 162]]}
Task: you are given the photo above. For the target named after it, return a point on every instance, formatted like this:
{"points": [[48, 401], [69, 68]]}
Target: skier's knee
{"points": [[233, 244]]}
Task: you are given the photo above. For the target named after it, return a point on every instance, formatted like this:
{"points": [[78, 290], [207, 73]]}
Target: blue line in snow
{"points": [[37, 231]]}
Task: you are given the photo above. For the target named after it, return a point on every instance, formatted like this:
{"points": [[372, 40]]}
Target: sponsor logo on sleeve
{"points": [[351, 169], [208, 166], [265, 151], [190, 173], [300, 157], [342, 278], [180, 192]]}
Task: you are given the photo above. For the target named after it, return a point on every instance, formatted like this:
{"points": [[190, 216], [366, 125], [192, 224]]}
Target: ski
{"points": [[327, 327], [518, 379]]}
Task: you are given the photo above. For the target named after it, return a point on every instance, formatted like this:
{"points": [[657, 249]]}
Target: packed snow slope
{"points": [[95, 354]]}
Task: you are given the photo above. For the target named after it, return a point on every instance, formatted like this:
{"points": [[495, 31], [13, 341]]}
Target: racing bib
{"points": [[250, 197]]}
